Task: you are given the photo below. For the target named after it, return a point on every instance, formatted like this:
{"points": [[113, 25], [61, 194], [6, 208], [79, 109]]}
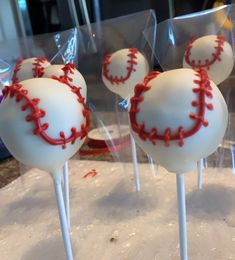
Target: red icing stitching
{"points": [[16, 70], [215, 56], [69, 68], [37, 68], [131, 64], [91, 173], [203, 90], [19, 93]]}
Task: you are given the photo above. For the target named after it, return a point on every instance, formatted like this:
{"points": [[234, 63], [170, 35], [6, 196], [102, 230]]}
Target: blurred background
{"points": [[19, 18]]}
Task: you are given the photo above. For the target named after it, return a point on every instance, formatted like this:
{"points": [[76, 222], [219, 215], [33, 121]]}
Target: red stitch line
{"points": [[131, 64], [69, 68], [203, 90], [38, 69], [216, 56], [91, 173], [19, 93], [16, 70]]}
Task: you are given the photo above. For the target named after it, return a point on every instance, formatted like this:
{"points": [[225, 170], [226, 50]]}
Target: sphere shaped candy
{"points": [[123, 69], [178, 117], [212, 53], [29, 68], [67, 73], [43, 122]]}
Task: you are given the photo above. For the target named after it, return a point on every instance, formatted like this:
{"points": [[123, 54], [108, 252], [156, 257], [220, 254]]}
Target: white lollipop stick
{"points": [[182, 217], [135, 164], [66, 192], [152, 165], [134, 158], [62, 215], [205, 163], [199, 174]]}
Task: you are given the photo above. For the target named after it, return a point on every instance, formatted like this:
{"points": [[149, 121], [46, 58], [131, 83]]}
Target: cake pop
{"points": [[121, 71], [214, 54], [29, 68], [211, 53], [43, 122], [174, 116], [67, 73]]}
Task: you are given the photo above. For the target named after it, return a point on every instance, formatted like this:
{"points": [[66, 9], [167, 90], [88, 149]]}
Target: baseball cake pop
{"points": [[43, 122], [123, 69], [66, 73], [29, 68], [175, 115], [214, 54], [31, 128], [211, 53]]}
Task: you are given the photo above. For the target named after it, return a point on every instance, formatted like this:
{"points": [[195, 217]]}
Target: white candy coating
{"points": [[63, 111], [25, 69], [168, 104], [123, 69], [213, 50], [74, 77]]}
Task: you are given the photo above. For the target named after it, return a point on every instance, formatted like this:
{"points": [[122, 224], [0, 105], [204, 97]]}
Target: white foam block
{"points": [[109, 220]]}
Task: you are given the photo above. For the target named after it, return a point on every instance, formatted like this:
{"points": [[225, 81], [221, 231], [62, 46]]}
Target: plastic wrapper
{"points": [[108, 111], [58, 48], [86, 47], [174, 35]]}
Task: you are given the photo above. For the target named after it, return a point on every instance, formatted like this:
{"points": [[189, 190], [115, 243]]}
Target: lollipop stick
{"points": [[66, 192], [152, 165], [199, 173], [135, 164], [182, 216], [62, 216], [205, 163], [232, 158]]}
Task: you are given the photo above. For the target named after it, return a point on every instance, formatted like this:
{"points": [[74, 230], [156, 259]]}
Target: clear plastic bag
{"points": [[58, 48], [173, 36], [132, 31], [86, 47]]}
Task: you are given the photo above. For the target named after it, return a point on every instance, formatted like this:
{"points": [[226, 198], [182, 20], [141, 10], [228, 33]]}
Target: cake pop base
{"points": [[109, 220]]}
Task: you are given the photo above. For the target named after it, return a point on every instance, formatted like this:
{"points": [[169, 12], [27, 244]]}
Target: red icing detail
{"points": [[16, 70], [203, 90], [91, 173], [69, 69], [131, 64], [36, 114], [115, 149], [206, 64], [37, 68]]}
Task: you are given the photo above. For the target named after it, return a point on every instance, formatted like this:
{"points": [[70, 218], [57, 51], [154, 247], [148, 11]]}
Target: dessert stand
{"points": [[109, 220]]}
